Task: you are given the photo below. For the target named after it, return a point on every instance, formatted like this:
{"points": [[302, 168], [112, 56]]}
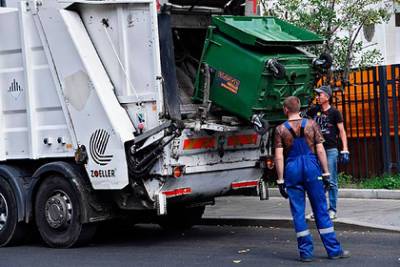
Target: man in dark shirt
{"points": [[298, 155], [330, 120]]}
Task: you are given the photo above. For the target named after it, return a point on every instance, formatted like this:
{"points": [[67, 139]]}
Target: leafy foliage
{"points": [[386, 181], [345, 180], [383, 182], [339, 22]]}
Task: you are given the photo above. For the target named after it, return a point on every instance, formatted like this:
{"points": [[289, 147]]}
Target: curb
{"points": [[341, 225], [356, 193]]}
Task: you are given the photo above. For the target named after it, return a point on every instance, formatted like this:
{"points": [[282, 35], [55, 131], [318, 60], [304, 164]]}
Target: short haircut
{"points": [[292, 103]]}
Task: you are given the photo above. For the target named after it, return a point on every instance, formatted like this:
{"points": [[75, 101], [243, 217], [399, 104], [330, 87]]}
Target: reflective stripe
{"points": [[244, 139], [303, 233], [199, 143], [326, 230]]}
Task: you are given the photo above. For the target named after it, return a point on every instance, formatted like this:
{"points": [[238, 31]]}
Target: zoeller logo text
{"points": [[102, 173]]}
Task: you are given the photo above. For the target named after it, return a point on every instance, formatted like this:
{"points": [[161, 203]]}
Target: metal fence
{"points": [[370, 105]]}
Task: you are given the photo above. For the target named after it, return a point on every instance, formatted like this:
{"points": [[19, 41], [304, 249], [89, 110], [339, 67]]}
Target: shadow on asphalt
{"points": [[138, 235], [148, 234]]}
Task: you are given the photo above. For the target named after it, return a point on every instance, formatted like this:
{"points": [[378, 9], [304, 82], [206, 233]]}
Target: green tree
{"points": [[340, 22]]}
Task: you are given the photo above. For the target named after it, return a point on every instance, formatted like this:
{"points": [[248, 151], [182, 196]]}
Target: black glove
{"points": [[326, 177], [344, 157], [282, 189]]}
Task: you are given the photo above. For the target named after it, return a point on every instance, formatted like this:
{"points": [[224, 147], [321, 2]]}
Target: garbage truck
{"points": [[137, 109]]}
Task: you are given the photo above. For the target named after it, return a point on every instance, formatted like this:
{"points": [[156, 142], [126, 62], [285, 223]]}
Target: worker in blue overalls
{"points": [[298, 154]]}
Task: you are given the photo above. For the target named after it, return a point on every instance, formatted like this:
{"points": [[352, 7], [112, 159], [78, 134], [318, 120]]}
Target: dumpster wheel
{"points": [[327, 59], [277, 69], [261, 125]]}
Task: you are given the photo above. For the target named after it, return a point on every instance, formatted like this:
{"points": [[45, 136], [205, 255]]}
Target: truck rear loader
{"points": [[113, 109]]}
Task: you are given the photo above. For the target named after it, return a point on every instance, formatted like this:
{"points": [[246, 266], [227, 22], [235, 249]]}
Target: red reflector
{"points": [[198, 143], [177, 171], [244, 139], [158, 5], [244, 184], [178, 192], [269, 162]]}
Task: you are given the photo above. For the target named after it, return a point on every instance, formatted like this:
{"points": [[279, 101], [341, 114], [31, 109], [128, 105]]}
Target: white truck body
{"points": [[71, 80], [82, 81]]}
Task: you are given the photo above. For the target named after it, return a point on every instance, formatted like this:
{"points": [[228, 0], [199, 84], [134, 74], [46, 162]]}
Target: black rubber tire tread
{"points": [[181, 218], [14, 232], [76, 234]]}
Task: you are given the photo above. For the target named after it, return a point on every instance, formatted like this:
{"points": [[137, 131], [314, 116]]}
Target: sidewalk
{"points": [[352, 213]]}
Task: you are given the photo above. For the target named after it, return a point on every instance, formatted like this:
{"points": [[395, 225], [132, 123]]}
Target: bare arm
{"points": [[279, 163], [343, 136], [322, 157]]}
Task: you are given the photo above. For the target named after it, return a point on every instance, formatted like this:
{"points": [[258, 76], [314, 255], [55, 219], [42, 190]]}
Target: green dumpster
{"points": [[250, 64]]}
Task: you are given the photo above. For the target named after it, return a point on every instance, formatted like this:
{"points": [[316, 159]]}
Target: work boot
{"points": [[332, 214], [306, 259], [342, 255]]}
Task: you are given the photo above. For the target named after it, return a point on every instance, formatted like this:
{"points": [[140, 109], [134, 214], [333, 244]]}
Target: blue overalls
{"points": [[303, 174]]}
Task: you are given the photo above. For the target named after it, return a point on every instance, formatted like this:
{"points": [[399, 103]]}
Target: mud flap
{"points": [[161, 204]]}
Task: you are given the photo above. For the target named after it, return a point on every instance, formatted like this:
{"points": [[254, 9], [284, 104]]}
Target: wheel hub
{"points": [[58, 210], [3, 211]]}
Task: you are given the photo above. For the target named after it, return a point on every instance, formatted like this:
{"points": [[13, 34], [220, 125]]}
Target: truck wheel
{"points": [[12, 232], [181, 218], [58, 214]]}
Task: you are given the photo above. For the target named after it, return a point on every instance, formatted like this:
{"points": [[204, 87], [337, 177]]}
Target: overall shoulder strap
{"points": [[303, 125], [287, 125]]}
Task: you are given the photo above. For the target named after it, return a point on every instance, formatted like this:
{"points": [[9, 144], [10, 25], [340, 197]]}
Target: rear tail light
{"points": [[269, 163], [177, 172]]}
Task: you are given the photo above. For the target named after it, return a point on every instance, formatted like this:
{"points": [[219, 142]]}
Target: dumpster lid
{"points": [[264, 31]]}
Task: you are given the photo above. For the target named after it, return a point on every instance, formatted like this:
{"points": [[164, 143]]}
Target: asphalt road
{"points": [[148, 245]]}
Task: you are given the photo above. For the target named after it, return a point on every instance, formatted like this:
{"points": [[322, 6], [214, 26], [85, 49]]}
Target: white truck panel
{"points": [[58, 97], [99, 121], [31, 110], [126, 38]]}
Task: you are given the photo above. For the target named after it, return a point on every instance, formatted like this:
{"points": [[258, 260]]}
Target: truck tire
{"points": [[12, 232], [58, 214], [181, 218]]}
